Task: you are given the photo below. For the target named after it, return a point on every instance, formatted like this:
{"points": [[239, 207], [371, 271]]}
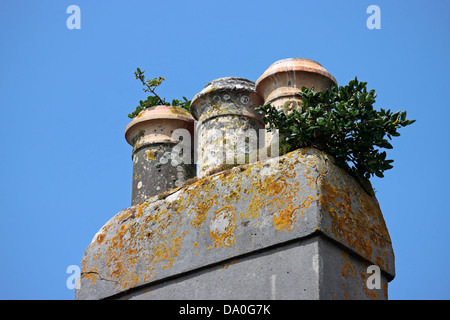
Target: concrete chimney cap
{"points": [[231, 83], [154, 114], [226, 83], [295, 64]]}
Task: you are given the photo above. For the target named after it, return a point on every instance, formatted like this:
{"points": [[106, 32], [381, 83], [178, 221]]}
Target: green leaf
{"points": [[379, 174]]}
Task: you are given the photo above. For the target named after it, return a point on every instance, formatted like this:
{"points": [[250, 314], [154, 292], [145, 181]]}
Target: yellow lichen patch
{"points": [[91, 275], [180, 111], [141, 207], [355, 217], [201, 198], [307, 202], [277, 196], [140, 114], [100, 238], [143, 243], [222, 226], [121, 247], [201, 211], [310, 180], [256, 202], [125, 214], [167, 253], [151, 154], [285, 220], [234, 196]]}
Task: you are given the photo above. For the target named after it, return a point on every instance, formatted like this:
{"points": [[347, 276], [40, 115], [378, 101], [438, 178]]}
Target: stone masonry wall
{"points": [[241, 221]]}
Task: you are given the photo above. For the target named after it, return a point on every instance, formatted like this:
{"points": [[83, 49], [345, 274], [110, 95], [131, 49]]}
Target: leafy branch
{"points": [[341, 122], [155, 99]]}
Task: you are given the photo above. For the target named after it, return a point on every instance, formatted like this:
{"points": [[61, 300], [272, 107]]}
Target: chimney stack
{"points": [[291, 227]]}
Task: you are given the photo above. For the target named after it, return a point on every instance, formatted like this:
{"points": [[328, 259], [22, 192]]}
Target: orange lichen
{"points": [[275, 194], [91, 275], [233, 196], [222, 226], [285, 220], [347, 270], [141, 207], [180, 111], [125, 214], [201, 199], [201, 211], [122, 248], [148, 238], [307, 202], [100, 238], [310, 180], [167, 253], [355, 217]]}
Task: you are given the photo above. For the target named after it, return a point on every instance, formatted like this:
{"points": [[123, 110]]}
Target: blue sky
{"points": [[65, 95]]}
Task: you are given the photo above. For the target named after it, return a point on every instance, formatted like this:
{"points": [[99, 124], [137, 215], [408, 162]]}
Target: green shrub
{"points": [[341, 122]]}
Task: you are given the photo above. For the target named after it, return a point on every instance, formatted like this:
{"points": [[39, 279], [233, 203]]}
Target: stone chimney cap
{"points": [[156, 113], [231, 83], [226, 83]]}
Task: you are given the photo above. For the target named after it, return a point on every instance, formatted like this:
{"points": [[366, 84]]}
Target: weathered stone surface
{"points": [[225, 96], [154, 171], [225, 109], [151, 135], [237, 213], [288, 272], [310, 268]]}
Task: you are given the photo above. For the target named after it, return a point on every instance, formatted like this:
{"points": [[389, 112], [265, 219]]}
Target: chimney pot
{"points": [[226, 112], [150, 134]]}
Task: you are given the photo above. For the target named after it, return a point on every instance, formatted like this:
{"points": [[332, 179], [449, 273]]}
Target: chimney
{"points": [[291, 227], [225, 109], [279, 84], [151, 135]]}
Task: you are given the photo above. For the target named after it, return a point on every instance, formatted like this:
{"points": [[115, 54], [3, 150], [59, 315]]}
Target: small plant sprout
{"points": [[154, 99]]}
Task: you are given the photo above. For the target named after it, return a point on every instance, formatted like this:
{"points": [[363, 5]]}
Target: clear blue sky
{"points": [[65, 95]]}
